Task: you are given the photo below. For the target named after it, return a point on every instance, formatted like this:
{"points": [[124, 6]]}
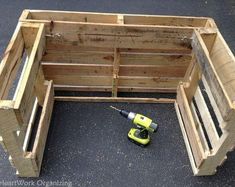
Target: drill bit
{"points": [[115, 108]]}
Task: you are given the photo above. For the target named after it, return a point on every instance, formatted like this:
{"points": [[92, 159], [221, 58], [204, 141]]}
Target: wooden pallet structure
{"points": [[114, 53]]}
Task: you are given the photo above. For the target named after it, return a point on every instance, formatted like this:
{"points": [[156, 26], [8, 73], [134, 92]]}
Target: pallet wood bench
{"points": [[113, 53]]}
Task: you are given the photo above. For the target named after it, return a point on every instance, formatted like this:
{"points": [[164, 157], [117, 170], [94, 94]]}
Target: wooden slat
{"points": [[74, 80], [152, 71], [25, 15], [160, 82], [116, 67], [180, 21], [190, 88], [119, 36], [10, 62], [109, 88], [41, 136], [212, 101], [166, 20], [199, 128], [208, 39], [155, 82], [93, 57], [70, 48], [190, 127], [224, 63], [115, 99], [23, 165], [160, 59], [206, 118], [120, 19], [30, 125], [65, 69], [86, 57], [72, 16], [29, 34], [8, 118], [217, 88], [64, 48], [186, 140], [39, 87], [25, 92]]}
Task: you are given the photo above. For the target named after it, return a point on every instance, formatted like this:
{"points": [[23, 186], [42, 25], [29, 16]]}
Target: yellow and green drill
{"points": [[139, 135]]}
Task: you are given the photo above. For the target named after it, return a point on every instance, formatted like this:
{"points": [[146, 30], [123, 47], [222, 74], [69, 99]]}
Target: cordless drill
{"points": [[139, 135]]}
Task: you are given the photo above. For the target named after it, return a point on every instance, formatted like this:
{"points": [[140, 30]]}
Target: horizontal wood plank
{"points": [[56, 69], [137, 19], [119, 36], [115, 99], [160, 82], [165, 20], [127, 58], [109, 88]]}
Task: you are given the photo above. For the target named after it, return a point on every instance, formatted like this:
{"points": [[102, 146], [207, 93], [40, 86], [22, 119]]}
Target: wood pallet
{"points": [[79, 51], [205, 104]]}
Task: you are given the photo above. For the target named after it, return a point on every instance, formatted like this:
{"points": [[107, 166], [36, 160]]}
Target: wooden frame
{"points": [[16, 112], [82, 51], [211, 79]]}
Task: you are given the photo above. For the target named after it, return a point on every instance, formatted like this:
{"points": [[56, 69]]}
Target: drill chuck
{"points": [[124, 113], [153, 126]]}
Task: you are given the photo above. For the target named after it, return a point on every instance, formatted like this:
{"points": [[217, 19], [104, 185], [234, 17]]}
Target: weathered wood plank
{"points": [[166, 20], [39, 87], [160, 59], [186, 140], [72, 16], [152, 71], [109, 88], [214, 82], [8, 118], [206, 118], [137, 19], [224, 63], [163, 82], [115, 99], [41, 136], [127, 58], [199, 128], [10, 61], [29, 34], [144, 41], [63, 69], [73, 48], [25, 92], [75, 80], [119, 36], [86, 57], [190, 127], [116, 67]]}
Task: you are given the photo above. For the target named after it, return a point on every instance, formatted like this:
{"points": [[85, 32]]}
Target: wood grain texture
{"points": [[115, 99], [190, 127], [41, 136], [214, 82]]}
